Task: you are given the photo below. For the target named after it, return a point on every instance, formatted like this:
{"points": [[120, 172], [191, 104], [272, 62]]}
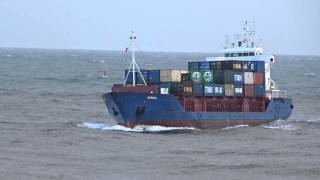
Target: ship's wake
{"points": [[138, 129], [281, 125]]}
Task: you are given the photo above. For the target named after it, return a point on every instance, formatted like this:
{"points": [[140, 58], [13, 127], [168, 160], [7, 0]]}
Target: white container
{"points": [[164, 90], [229, 90], [170, 75], [248, 78]]}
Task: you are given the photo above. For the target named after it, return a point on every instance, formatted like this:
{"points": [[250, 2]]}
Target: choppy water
{"points": [[54, 125]]}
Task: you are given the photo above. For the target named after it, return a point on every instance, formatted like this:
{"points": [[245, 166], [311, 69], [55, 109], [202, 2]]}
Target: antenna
{"points": [[133, 66]]}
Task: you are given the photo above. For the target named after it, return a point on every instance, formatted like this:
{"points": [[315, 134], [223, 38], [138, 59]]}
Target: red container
{"points": [[258, 78], [248, 90], [139, 88]]}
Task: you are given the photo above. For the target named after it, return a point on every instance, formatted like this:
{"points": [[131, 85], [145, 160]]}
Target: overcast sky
{"points": [[282, 26]]}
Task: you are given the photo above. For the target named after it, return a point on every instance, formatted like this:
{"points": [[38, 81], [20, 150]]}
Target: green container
{"points": [[207, 76], [196, 76]]}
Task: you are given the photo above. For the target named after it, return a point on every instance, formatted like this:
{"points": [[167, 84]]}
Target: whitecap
{"points": [[281, 125], [139, 128], [310, 74], [234, 127]]}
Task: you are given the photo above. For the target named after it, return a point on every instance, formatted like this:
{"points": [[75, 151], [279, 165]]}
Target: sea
{"points": [[54, 123]]}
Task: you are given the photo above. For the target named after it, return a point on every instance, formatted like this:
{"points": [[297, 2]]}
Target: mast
{"points": [[133, 66], [132, 38]]}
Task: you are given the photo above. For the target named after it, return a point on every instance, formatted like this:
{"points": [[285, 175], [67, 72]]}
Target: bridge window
{"points": [[251, 54]]}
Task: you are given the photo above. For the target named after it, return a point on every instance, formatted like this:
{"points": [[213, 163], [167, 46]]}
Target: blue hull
{"points": [[131, 109]]}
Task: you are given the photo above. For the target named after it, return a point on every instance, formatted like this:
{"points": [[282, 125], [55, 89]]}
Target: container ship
{"points": [[216, 92]]}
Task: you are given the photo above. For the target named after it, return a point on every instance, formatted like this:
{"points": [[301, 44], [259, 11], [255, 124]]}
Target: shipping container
{"points": [[145, 75], [238, 78], [130, 76], [207, 76], [193, 66], [228, 77], [208, 89], [238, 90], [197, 89], [259, 90], [258, 78], [227, 65], [237, 65], [154, 77], [196, 76], [218, 77], [248, 77], [185, 77], [249, 90], [231, 65], [215, 65], [249, 66], [260, 66], [204, 65], [229, 90], [170, 75], [139, 88], [214, 90]]}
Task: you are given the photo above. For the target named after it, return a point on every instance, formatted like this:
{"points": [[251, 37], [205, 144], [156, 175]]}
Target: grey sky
{"points": [[285, 26]]}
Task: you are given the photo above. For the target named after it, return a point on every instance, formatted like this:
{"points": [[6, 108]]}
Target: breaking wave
{"points": [[235, 127], [282, 125], [139, 128]]}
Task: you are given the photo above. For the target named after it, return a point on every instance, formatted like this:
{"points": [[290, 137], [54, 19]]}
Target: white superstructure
{"points": [[243, 48]]}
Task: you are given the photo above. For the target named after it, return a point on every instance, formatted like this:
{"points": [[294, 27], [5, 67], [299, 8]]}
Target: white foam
{"points": [[281, 125], [310, 74], [139, 128], [313, 120], [234, 127]]}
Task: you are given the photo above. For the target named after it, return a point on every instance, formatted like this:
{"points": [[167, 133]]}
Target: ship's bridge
{"points": [[243, 54], [242, 51]]}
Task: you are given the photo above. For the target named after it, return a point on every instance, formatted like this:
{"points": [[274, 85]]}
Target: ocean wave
{"points": [[310, 74], [281, 125], [235, 127], [139, 128]]}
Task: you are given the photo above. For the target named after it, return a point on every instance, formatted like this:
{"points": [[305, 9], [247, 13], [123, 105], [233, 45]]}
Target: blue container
{"points": [[154, 77], [208, 90], [218, 77], [238, 90], [238, 78], [218, 89], [214, 90], [193, 65], [249, 66], [228, 77], [145, 75], [197, 89], [215, 65], [204, 65], [259, 90], [260, 66], [130, 76]]}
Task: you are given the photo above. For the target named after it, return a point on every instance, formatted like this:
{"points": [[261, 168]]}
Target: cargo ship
{"points": [[216, 92]]}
